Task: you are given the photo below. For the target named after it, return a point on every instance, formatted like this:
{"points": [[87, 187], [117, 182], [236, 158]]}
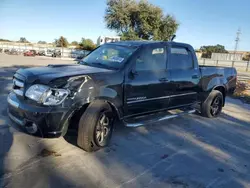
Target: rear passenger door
{"points": [[146, 83], [184, 76]]}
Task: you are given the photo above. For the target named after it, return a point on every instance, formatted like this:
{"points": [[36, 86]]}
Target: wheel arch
{"points": [[74, 117], [113, 105], [79, 111]]}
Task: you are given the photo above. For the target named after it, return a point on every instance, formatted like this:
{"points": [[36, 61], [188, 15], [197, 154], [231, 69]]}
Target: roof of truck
{"points": [[147, 42]]}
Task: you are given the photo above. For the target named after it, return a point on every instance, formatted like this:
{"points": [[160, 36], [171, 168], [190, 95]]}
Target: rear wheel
{"points": [[212, 106], [95, 126]]}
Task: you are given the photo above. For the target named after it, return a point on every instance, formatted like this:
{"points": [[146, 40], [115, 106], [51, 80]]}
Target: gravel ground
{"points": [[184, 152]]}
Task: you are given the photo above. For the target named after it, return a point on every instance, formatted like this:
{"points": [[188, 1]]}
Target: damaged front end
{"points": [[46, 110]]}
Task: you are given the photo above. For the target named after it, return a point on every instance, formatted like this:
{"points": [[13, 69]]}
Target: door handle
{"points": [[195, 76], [163, 79]]}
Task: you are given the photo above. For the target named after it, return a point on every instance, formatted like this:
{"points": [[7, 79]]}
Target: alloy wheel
{"points": [[103, 129], [216, 106]]}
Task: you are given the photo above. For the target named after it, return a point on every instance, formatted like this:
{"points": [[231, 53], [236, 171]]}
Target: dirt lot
{"points": [[190, 151]]}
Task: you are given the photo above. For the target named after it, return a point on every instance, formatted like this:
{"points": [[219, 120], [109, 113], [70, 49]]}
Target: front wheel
{"points": [[95, 126], [212, 106]]}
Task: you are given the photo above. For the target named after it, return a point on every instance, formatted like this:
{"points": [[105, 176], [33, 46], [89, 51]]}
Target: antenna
{"points": [[172, 37], [237, 42]]}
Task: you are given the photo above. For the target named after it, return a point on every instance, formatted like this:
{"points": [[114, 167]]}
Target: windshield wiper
{"points": [[83, 62]]}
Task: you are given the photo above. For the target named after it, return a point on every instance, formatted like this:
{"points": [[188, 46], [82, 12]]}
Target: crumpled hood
{"points": [[51, 72]]}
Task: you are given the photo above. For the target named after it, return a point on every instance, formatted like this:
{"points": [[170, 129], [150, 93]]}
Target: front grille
{"points": [[18, 86]]}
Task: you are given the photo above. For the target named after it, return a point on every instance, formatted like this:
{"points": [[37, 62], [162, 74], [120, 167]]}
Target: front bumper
{"points": [[44, 121]]}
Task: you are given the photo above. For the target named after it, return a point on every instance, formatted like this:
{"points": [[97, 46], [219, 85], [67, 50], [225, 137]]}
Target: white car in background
{"points": [[79, 54], [49, 52]]}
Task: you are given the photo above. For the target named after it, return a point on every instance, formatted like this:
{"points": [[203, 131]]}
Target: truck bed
{"points": [[226, 75]]}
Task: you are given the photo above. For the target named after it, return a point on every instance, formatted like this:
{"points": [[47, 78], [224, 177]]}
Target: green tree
{"points": [[41, 42], [74, 43], [134, 20], [61, 42], [5, 40], [23, 40], [87, 44], [208, 50], [246, 56]]}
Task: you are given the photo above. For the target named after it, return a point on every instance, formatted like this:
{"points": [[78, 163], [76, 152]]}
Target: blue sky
{"points": [[201, 22]]}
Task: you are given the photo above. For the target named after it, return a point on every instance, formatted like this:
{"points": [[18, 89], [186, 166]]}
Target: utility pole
{"points": [[237, 42]]}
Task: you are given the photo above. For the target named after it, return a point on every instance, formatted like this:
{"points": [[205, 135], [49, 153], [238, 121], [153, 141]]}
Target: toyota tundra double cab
{"points": [[134, 82]]}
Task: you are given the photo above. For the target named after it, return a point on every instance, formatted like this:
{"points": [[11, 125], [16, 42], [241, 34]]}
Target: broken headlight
{"points": [[46, 95]]}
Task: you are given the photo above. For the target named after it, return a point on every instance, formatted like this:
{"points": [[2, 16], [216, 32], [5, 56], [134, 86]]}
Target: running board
{"points": [[148, 119]]}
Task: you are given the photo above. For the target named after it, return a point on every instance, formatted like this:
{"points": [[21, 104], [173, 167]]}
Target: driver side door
{"points": [[146, 83]]}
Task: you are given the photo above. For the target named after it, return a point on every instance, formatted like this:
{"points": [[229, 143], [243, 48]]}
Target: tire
{"points": [[212, 106], [90, 128]]}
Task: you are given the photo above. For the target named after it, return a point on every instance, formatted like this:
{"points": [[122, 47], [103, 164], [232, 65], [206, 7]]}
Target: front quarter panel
{"points": [[109, 87], [85, 89], [82, 91]]}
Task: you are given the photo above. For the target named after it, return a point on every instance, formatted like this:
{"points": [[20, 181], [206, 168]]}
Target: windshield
{"points": [[109, 56]]}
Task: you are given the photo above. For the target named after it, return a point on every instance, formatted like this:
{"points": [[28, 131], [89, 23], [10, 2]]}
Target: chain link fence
{"points": [[239, 65]]}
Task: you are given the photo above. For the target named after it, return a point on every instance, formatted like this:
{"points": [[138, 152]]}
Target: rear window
{"points": [[180, 58]]}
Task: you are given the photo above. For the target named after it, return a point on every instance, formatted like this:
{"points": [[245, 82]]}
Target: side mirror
{"points": [[133, 73]]}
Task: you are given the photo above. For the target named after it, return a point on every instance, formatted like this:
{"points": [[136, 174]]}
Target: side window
{"points": [[180, 58], [151, 58]]}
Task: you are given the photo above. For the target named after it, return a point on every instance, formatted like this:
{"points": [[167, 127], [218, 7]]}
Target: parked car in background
{"points": [[79, 54], [30, 53], [1, 50], [6, 51], [41, 53], [56, 53], [49, 52], [13, 52], [20, 51]]}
